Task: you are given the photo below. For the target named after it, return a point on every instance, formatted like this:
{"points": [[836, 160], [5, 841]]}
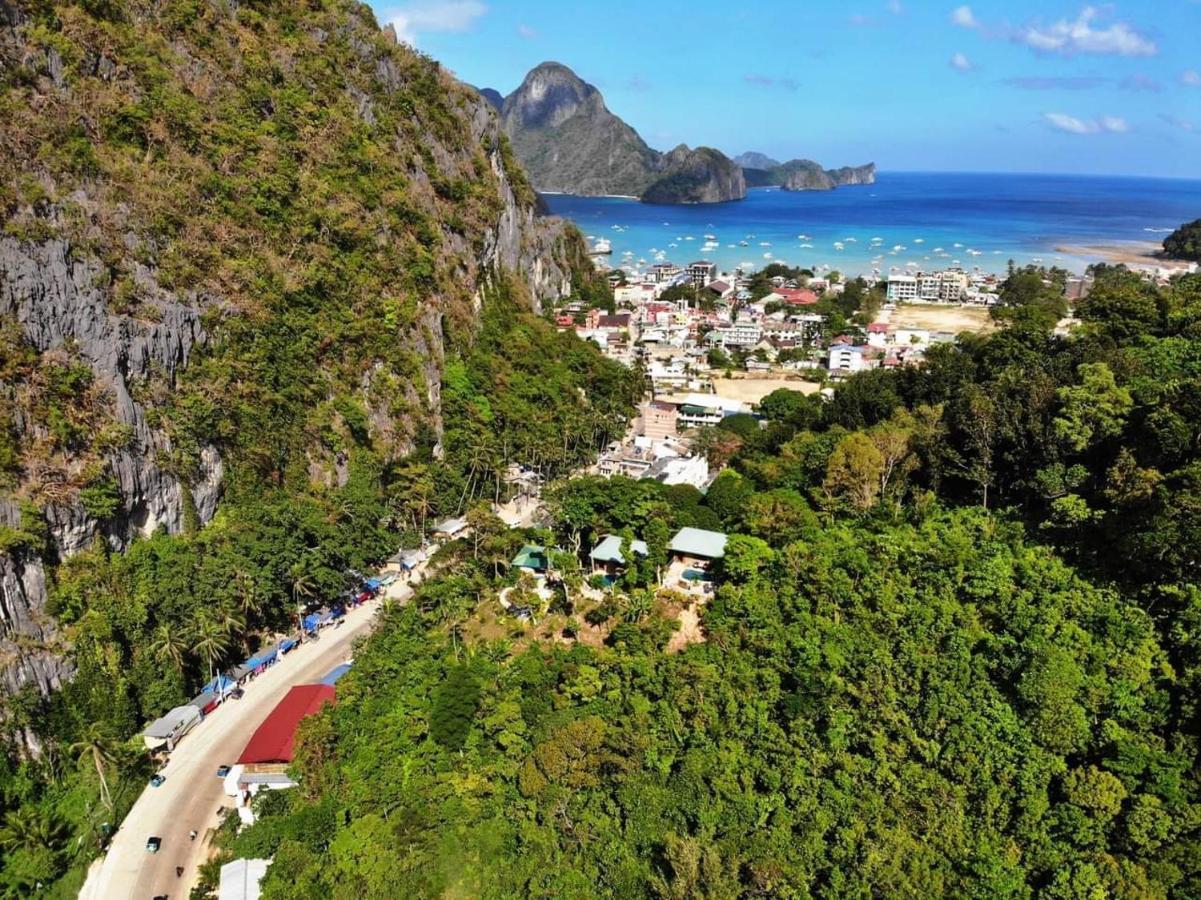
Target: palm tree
{"points": [[209, 640], [250, 596], [169, 644], [32, 829], [232, 622], [96, 746]]}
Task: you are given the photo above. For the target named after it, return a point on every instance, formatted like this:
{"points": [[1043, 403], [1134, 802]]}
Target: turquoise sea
{"points": [[907, 219]]}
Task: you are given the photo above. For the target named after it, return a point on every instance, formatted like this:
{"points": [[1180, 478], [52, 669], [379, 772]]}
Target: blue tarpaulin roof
{"points": [[286, 644], [219, 685], [335, 673], [372, 583]]}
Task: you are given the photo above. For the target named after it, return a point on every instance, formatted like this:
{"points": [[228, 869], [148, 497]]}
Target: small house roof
{"points": [[240, 879], [450, 526], [609, 550], [699, 542], [332, 676], [165, 726], [531, 556]]}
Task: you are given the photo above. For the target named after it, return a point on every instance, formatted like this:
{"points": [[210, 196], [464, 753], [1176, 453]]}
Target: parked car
{"points": [[153, 844], [157, 779], [237, 694], [222, 771]]}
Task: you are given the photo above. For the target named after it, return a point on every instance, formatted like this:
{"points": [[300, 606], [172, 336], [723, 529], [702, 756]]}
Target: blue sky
{"points": [[1022, 85]]}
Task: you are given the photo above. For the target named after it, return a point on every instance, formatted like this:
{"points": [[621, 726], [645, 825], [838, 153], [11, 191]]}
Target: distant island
{"points": [[571, 143], [802, 174]]}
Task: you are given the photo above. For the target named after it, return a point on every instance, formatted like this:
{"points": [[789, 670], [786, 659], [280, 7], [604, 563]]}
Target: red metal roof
{"points": [[272, 742], [797, 296]]}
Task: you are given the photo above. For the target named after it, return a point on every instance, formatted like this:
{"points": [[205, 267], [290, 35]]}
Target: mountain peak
{"points": [[753, 159], [549, 95], [569, 141]]}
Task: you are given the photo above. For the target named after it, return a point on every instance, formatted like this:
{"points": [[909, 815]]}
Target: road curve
{"points": [[190, 797]]}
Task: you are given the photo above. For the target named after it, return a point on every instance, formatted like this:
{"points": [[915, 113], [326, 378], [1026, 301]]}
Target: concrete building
{"points": [[902, 288], [693, 470], [702, 272], [845, 358], [664, 272], [743, 333], [659, 421]]}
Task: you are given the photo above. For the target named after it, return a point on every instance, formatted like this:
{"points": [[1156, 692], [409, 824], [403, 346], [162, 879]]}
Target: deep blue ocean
{"points": [[907, 219]]}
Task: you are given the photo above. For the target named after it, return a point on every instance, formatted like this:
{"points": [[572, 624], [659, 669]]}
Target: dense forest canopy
{"points": [[324, 208], [953, 650], [1184, 242]]}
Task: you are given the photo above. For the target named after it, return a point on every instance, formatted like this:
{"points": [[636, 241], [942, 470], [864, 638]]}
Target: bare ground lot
{"points": [[939, 317], [750, 389]]}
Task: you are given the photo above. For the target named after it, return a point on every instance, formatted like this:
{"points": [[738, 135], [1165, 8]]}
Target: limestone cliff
{"points": [[806, 175], [178, 188], [702, 175], [571, 143]]}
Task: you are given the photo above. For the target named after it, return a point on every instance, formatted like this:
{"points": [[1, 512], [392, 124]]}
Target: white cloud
{"points": [[1073, 125], [1177, 122], [435, 16], [1191, 77], [527, 31], [965, 18], [1079, 36], [960, 63]]}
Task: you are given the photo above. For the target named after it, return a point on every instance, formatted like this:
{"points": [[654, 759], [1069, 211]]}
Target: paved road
{"points": [[192, 794]]}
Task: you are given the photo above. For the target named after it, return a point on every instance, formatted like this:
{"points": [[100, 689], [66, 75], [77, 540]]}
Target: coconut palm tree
{"points": [[210, 641], [169, 644], [97, 747], [31, 828], [250, 596]]}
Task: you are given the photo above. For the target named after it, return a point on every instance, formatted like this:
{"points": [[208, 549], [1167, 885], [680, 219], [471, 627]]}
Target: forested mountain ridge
{"points": [[198, 175], [954, 650], [244, 250]]}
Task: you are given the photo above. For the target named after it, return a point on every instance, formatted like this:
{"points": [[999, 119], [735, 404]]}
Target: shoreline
{"points": [[1130, 253]]}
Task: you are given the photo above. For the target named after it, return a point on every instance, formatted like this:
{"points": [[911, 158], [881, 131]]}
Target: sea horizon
{"points": [[907, 220]]}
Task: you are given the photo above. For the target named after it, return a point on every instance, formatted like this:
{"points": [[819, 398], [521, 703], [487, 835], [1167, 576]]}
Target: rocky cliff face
{"points": [[696, 176], [120, 266], [849, 176], [571, 143], [753, 159], [806, 175]]}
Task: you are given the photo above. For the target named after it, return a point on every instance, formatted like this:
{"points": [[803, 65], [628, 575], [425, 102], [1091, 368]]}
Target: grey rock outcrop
{"points": [[702, 175], [806, 175], [62, 295], [752, 159], [571, 143], [57, 298]]}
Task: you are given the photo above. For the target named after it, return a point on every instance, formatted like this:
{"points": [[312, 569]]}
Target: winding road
{"points": [[192, 797]]}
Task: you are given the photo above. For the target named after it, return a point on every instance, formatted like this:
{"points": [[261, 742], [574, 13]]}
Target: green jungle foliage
{"points": [[954, 651], [321, 196], [150, 625], [1184, 242]]}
